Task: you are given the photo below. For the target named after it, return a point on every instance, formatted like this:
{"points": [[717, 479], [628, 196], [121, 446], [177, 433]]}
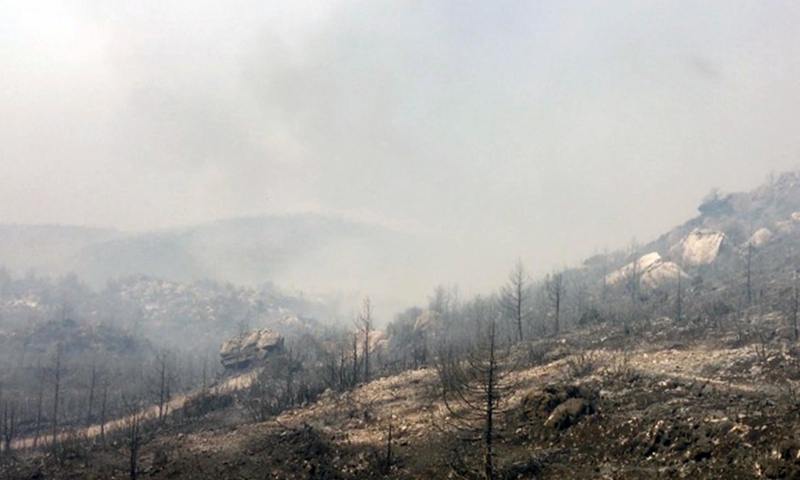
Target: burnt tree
{"points": [[515, 298], [556, 289], [475, 387]]}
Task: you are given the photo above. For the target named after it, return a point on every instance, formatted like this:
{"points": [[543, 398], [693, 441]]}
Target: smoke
{"points": [[529, 130]]}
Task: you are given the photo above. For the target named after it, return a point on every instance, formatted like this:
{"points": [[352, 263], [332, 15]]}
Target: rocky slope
{"points": [[676, 401], [679, 359]]}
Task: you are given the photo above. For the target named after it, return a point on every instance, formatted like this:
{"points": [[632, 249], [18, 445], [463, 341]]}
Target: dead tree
{"points": [[162, 383], [103, 404], [795, 306], [388, 467], [39, 405], [133, 430], [365, 323], [57, 372], [556, 289], [354, 380], [275, 388], [679, 298], [9, 424], [633, 284], [515, 296], [94, 375], [749, 273], [633, 277], [475, 389]]}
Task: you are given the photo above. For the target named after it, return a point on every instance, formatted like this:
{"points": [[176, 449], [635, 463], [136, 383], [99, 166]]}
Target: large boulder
{"points": [[249, 347], [650, 269], [700, 247], [760, 237]]}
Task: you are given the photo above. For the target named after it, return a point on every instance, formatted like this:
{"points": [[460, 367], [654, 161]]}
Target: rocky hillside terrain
{"points": [[678, 401], [190, 316], [676, 358]]}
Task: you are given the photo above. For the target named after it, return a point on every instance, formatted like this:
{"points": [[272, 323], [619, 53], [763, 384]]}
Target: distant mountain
{"points": [[308, 252], [46, 249]]}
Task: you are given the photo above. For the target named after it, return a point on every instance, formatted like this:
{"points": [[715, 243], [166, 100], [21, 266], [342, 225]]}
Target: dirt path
{"points": [[703, 364], [231, 384]]}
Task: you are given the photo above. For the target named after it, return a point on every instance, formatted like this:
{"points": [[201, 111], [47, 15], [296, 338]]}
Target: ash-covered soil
{"points": [[667, 401]]}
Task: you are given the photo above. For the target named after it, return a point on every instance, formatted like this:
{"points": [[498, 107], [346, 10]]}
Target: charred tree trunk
{"points": [[103, 403], [39, 410], [679, 300], [490, 403], [9, 425], [475, 391], [556, 289], [366, 322], [514, 297], [90, 403], [56, 394], [355, 361], [795, 306]]}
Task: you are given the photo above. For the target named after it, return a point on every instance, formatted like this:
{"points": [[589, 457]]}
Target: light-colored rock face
{"points": [[700, 247], [761, 236], [661, 273], [650, 270], [249, 347]]}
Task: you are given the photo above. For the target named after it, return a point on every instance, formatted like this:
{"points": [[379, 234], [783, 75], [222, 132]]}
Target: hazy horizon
{"points": [[530, 130]]}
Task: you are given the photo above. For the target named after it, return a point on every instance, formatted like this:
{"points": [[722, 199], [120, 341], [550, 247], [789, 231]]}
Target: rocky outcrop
{"points": [[250, 347], [700, 247], [761, 236], [650, 269]]}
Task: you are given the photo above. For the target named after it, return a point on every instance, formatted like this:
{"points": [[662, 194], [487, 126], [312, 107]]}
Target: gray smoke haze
{"points": [[533, 130]]}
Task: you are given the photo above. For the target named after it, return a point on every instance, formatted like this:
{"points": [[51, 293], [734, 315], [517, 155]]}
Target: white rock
{"points": [[700, 247], [651, 270], [761, 236]]}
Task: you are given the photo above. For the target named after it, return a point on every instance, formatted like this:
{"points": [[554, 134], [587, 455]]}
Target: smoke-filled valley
{"points": [[675, 357], [349, 239]]}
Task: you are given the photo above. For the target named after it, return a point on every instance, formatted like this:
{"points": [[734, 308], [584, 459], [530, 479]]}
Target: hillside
{"points": [[308, 252], [675, 358], [191, 317], [675, 402], [739, 254], [771, 209]]}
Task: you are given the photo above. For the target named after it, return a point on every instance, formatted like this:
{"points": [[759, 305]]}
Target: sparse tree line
{"points": [[526, 309], [64, 400]]}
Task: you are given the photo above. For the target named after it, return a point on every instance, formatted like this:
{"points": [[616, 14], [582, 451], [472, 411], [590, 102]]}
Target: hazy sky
{"points": [[539, 130]]}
